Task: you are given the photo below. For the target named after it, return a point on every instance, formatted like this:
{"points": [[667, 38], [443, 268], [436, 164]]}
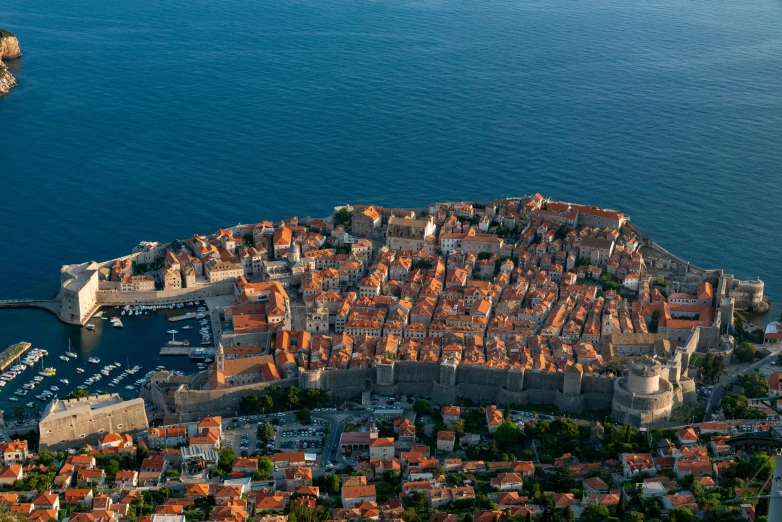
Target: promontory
{"points": [[9, 49]]}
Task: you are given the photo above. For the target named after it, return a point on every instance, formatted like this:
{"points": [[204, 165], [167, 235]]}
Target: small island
{"points": [[9, 50]]}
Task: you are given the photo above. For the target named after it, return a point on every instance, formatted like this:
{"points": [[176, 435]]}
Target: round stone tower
{"points": [[643, 397], [644, 377]]}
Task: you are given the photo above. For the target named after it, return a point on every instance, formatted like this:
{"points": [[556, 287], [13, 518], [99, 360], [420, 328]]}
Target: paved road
{"points": [[336, 422], [729, 379]]}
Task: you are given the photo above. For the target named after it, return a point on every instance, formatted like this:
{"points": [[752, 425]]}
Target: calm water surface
{"points": [[148, 120]]}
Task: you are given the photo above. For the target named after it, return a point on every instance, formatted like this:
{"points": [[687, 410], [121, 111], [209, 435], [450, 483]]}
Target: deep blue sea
{"points": [[155, 120]]}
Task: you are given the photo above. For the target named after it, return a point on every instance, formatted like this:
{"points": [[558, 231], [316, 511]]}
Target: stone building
{"points": [[79, 291], [365, 222], [74, 422], [409, 234], [643, 397]]}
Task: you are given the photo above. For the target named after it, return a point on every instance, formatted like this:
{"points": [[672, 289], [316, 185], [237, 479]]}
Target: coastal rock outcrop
{"points": [[9, 49]]}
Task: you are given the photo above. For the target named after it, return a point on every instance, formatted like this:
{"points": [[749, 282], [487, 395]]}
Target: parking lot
{"points": [[301, 437]]}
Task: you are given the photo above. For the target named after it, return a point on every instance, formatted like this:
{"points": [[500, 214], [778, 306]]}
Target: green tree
{"points": [[568, 515], [265, 467], [621, 508], [78, 393], [315, 398], [292, 396], [506, 412], [265, 403], [19, 412], [507, 435], [708, 369], [304, 414], [754, 384], [45, 457], [265, 432], [343, 216], [226, 460], [681, 515], [737, 407], [422, 407], [328, 483], [744, 352], [595, 513]]}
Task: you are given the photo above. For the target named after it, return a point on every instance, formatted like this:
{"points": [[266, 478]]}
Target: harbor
{"points": [[114, 356]]}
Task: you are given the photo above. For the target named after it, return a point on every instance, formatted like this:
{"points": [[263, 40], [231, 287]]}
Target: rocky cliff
{"points": [[9, 49]]}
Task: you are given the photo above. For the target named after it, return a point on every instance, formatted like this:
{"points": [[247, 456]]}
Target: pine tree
{"points": [[622, 506], [507, 410]]}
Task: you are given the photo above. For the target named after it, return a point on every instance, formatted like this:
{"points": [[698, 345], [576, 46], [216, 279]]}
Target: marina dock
{"points": [[185, 317], [175, 350], [11, 354]]}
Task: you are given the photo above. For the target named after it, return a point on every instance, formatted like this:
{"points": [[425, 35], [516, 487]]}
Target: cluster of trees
{"points": [[737, 407], [754, 384], [713, 368], [34, 481], [565, 436], [740, 334], [745, 351], [278, 398], [111, 464], [343, 217]]}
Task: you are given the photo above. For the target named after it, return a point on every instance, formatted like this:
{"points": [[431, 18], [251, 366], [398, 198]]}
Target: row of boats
{"points": [[106, 372], [30, 359]]}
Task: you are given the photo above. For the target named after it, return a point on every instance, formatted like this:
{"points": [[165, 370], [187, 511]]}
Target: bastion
{"points": [[74, 422]]}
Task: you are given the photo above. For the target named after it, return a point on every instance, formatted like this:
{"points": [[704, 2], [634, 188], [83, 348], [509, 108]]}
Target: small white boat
{"points": [[129, 387], [90, 327], [29, 404], [93, 360], [64, 358], [64, 381], [79, 370], [13, 399], [172, 332], [54, 388], [187, 327]]}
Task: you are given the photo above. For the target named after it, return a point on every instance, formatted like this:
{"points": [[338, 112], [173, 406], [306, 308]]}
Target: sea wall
{"points": [[111, 297]]}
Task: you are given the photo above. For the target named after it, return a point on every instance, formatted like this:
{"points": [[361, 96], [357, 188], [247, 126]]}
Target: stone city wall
{"points": [[109, 297], [479, 384]]}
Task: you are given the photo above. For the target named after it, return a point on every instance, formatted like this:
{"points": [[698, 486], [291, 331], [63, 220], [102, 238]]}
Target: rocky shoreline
{"points": [[9, 50]]}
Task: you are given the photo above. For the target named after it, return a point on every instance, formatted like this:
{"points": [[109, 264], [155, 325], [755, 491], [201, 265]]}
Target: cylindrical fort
{"points": [[644, 377]]}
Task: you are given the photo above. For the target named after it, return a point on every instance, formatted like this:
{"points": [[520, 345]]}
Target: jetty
{"points": [[11, 354], [187, 316], [175, 350]]}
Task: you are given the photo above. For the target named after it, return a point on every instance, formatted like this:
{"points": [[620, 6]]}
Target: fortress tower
{"points": [[572, 382], [643, 397]]}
